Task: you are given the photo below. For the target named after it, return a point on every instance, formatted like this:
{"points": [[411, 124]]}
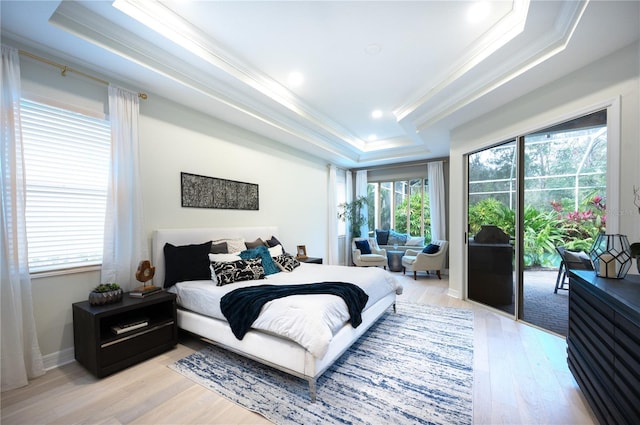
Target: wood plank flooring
{"points": [[520, 377]]}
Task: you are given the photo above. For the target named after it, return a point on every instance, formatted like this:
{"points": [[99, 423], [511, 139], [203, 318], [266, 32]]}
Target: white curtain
{"points": [[435, 174], [21, 357], [361, 190], [348, 235], [125, 243], [332, 214]]}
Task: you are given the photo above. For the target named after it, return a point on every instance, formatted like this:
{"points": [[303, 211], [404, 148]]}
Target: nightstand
{"points": [[313, 260], [102, 351]]}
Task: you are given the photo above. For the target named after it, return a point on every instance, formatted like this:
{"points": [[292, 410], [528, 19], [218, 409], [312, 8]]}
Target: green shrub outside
{"points": [[544, 229]]}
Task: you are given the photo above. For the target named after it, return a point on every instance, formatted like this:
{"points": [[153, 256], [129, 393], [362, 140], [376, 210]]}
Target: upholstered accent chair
{"points": [[363, 258], [415, 261]]}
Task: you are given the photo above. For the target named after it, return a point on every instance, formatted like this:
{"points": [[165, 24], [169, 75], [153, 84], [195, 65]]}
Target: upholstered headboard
{"points": [[197, 236]]}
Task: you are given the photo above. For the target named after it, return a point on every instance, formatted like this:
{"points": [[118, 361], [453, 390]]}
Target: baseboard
{"points": [[57, 359], [454, 293]]}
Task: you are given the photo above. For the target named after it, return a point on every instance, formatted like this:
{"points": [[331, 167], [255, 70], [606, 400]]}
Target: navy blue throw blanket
{"points": [[242, 306]]}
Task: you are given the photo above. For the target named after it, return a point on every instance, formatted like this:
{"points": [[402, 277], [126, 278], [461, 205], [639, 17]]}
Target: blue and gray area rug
{"points": [[412, 367]]}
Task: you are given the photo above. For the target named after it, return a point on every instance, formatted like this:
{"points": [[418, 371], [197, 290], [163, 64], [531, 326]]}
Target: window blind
{"points": [[67, 166]]}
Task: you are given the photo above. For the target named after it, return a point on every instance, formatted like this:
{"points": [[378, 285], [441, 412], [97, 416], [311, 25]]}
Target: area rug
{"points": [[414, 366]]}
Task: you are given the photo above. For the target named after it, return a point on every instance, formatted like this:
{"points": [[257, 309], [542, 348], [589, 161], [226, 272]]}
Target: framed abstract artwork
{"points": [[211, 192]]}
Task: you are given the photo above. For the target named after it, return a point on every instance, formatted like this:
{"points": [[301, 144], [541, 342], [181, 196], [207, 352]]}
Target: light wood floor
{"points": [[520, 377]]}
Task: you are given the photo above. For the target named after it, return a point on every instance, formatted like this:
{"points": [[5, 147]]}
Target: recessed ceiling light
{"points": [[373, 49], [295, 78], [376, 113], [478, 11]]}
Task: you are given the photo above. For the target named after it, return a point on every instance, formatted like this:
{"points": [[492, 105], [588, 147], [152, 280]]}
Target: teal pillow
{"points": [[263, 253]]}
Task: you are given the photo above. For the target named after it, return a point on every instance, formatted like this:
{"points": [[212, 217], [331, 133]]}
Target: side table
{"points": [[394, 259], [103, 351], [314, 260]]}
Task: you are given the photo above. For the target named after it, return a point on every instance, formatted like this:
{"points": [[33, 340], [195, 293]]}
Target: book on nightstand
{"points": [[144, 291], [130, 325]]}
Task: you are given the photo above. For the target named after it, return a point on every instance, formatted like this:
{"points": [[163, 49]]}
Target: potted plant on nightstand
{"points": [[105, 293]]}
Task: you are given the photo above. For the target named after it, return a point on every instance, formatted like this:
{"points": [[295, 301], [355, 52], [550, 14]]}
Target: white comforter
{"points": [[309, 320]]}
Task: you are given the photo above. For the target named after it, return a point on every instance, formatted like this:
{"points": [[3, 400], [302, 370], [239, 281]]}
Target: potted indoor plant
{"points": [[353, 211], [105, 293]]}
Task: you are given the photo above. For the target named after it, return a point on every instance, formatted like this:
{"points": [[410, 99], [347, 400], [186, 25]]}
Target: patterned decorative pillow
{"points": [[236, 271], [220, 258], [263, 253], [286, 262]]}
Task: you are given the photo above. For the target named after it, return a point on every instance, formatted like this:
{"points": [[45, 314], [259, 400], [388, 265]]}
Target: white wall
{"points": [[616, 75], [292, 186]]}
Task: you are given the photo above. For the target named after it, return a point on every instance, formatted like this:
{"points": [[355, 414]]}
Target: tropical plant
{"points": [[415, 217], [353, 212]]}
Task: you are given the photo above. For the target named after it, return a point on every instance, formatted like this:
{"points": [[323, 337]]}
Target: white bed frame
{"points": [[277, 352]]}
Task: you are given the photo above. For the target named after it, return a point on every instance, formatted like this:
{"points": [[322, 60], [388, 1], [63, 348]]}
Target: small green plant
{"points": [[106, 287]]}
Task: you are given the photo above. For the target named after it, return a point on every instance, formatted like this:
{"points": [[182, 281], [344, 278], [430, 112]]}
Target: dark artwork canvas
{"points": [[210, 192]]}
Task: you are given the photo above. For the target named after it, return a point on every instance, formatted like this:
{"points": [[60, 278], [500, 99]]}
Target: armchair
{"points": [[414, 260], [377, 257]]}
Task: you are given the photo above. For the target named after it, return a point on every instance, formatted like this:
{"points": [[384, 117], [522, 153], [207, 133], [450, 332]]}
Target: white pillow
{"points": [[220, 258], [276, 250], [233, 245], [414, 241]]}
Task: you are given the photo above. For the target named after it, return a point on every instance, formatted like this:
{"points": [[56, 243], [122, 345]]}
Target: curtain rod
{"points": [[64, 69], [400, 165]]}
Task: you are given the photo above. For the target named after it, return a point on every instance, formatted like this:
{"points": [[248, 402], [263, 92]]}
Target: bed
{"points": [[290, 351]]}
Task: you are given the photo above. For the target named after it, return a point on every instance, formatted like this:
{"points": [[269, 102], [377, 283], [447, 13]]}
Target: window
{"points": [[67, 166], [409, 201]]}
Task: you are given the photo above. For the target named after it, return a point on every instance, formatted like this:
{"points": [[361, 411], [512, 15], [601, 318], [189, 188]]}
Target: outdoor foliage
{"points": [[415, 206], [545, 229]]}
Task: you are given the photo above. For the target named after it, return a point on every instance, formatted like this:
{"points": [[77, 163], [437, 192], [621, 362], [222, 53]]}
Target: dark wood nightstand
{"points": [[103, 352], [313, 260]]}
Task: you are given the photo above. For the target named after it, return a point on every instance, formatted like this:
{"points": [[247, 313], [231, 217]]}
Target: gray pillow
{"points": [[258, 242]]}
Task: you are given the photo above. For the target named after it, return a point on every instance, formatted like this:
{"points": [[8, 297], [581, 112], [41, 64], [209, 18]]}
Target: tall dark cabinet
{"points": [[603, 344]]}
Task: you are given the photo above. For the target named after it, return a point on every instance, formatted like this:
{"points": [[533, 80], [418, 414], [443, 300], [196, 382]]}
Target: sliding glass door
{"points": [[491, 226], [528, 199]]}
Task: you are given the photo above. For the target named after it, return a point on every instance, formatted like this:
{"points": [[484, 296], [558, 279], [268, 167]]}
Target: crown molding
{"points": [[500, 34], [175, 28], [82, 22], [545, 47]]}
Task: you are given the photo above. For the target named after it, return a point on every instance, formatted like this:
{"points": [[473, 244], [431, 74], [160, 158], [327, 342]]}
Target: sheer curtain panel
{"points": [[332, 203], [435, 174], [124, 240], [21, 357], [348, 235], [361, 190]]}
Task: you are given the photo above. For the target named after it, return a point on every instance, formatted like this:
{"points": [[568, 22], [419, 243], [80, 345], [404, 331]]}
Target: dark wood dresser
{"points": [[603, 344]]}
